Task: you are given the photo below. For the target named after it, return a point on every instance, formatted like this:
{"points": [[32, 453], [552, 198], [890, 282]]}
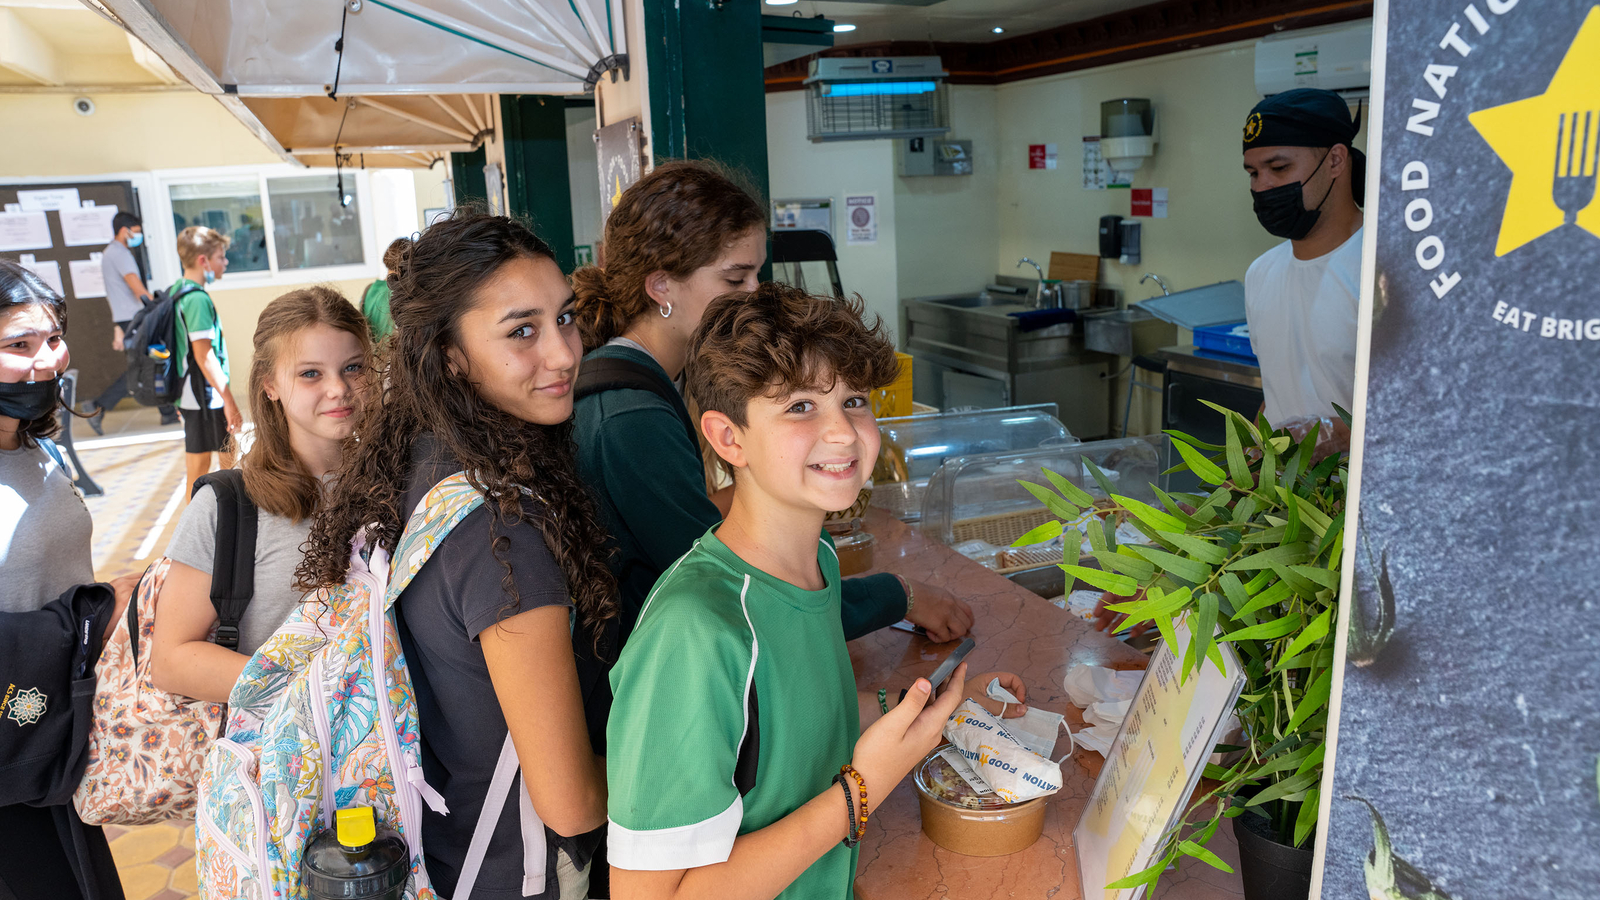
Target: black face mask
{"points": [[1282, 210], [29, 400]]}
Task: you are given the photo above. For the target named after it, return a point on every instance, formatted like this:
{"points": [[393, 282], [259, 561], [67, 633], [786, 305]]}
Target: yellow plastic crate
{"points": [[895, 400]]}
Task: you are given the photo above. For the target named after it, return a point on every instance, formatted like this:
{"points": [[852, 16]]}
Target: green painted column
{"points": [[538, 187], [707, 93], [466, 175]]}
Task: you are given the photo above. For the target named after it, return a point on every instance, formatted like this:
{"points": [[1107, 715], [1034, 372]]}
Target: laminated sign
{"points": [[1464, 756], [861, 214]]}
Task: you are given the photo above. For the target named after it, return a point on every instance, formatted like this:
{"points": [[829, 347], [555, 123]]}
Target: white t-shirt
{"points": [[1302, 316]]}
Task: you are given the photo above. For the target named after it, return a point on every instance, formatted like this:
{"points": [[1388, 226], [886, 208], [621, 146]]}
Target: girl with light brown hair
{"points": [[306, 390]]}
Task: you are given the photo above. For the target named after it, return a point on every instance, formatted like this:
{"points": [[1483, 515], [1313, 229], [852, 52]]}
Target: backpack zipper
{"points": [[253, 792], [319, 720]]}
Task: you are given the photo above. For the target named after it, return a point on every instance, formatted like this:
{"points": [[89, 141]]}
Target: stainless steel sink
{"points": [[978, 301]]}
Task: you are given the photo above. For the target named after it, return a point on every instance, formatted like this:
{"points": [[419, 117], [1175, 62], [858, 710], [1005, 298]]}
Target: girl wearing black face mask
{"points": [[44, 549]]}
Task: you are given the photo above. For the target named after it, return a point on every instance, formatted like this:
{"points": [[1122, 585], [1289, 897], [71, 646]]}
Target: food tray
{"points": [[1232, 338]]}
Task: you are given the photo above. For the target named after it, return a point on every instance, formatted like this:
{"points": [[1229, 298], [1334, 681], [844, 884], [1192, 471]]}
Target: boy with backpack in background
{"points": [[126, 295], [738, 657], [210, 414]]}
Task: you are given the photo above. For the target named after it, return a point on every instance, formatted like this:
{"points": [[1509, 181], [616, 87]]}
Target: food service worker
{"points": [[1301, 297]]}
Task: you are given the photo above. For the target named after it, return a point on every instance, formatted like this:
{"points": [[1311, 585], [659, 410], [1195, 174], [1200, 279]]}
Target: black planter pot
{"points": [[1270, 870]]}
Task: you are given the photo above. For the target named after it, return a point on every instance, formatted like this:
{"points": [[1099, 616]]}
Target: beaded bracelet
{"points": [[850, 838], [861, 783], [883, 700], [911, 596]]}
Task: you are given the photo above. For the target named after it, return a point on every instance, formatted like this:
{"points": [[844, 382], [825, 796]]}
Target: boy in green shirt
{"points": [[210, 413], [740, 646]]}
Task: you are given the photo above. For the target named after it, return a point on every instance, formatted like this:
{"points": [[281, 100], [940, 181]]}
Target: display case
{"points": [[977, 505], [915, 446]]}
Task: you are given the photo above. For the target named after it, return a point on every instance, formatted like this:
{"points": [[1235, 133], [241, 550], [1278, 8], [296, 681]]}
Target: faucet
{"points": [[1038, 291], [1150, 275]]}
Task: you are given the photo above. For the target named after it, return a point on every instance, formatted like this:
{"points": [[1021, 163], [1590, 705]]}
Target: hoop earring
{"points": [[666, 311]]}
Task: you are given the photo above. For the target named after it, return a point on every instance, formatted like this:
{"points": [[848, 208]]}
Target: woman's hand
{"points": [[1008, 681], [939, 613], [905, 735]]}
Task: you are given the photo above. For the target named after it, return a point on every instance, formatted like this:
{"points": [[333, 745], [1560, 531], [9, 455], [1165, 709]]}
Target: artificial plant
{"points": [[1254, 563]]}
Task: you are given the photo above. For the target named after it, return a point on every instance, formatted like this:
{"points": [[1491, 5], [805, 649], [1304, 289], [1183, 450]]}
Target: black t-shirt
{"points": [[455, 596]]}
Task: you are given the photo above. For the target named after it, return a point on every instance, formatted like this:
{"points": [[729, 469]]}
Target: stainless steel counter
{"points": [[1188, 359]]}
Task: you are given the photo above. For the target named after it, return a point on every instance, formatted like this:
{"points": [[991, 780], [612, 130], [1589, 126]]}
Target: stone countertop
{"points": [[1017, 631]]}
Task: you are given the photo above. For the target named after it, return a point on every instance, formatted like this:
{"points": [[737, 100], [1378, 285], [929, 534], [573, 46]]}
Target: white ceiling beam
{"points": [[591, 23], [585, 50], [385, 148], [424, 121], [485, 36], [146, 59], [25, 52], [153, 29], [451, 111], [477, 117]]}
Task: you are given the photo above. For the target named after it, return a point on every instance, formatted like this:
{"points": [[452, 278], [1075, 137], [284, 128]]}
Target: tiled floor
{"points": [[156, 861]]}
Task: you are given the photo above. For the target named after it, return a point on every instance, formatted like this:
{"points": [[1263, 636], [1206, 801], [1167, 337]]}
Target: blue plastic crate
{"points": [[1232, 338]]}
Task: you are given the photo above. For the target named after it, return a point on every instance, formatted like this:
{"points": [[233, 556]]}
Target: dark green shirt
{"points": [[375, 306], [634, 452]]}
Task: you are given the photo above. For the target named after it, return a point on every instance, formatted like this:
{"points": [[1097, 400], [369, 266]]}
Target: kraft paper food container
{"points": [[979, 825], [855, 552]]}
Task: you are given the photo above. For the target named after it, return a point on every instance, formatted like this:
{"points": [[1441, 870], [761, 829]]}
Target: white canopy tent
{"points": [[397, 82]]}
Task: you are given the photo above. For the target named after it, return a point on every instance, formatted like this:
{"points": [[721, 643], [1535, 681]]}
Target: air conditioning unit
{"points": [[1334, 58], [864, 98]]}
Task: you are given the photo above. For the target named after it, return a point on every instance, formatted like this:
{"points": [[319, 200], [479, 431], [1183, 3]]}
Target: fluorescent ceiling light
{"points": [[878, 88], [841, 28], [997, 29], [782, 2]]}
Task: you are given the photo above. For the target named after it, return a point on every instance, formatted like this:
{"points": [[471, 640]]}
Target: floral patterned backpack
{"points": [[146, 746], [323, 718]]}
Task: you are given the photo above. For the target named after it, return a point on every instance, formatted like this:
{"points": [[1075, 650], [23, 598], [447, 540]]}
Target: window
{"points": [[313, 223], [231, 207]]}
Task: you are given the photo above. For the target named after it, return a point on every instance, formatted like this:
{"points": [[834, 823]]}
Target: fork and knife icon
{"points": [[1577, 162]]}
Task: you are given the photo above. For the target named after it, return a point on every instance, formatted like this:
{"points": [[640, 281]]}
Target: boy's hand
{"points": [[1110, 621], [939, 613], [1010, 682], [904, 737], [230, 411]]}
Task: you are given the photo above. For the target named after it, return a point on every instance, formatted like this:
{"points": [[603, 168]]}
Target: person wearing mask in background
{"points": [[375, 302], [126, 294], [210, 414], [45, 530], [679, 238], [311, 356], [1307, 181]]}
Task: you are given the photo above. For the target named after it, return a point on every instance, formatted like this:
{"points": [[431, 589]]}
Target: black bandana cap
{"points": [[1308, 117]]}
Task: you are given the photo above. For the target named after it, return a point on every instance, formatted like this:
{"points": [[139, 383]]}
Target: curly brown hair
{"points": [[436, 282], [274, 477], [778, 339], [674, 220], [19, 288]]}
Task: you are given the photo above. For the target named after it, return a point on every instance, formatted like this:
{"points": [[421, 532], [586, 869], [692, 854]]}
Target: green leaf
{"points": [[1132, 566], [1174, 509], [1190, 848], [1047, 532], [1237, 596], [1238, 468], [1269, 465], [1149, 515], [1266, 631], [1120, 585], [1291, 785], [1306, 822], [1291, 528], [1058, 507], [1273, 535], [1095, 531], [1198, 548], [1206, 470], [1315, 631], [1099, 476], [1324, 577], [1314, 759], [1190, 570], [1205, 625], [1314, 518], [1280, 763], [1072, 492], [1302, 586], [1283, 555], [1334, 531], [1318, 659], [1244, 509], [1168, 633], [1192, 440], [1315, 697], [1143, 877], [1277, 593]]}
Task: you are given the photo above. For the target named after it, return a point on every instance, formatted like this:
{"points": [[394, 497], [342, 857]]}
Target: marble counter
{"points": [[1016, 631]]}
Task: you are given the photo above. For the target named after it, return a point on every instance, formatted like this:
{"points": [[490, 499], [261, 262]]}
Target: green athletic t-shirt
{"points": [[375, 306], [713, 628], [197, 320]]}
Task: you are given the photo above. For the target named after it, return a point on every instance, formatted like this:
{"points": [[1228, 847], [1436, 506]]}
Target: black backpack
{"points": [[151, 346], [607, 374], [233, 562]]}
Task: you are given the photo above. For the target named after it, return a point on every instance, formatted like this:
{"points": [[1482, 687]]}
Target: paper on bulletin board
{"points": [[861, 211], [48, 199], [1153, 767], [88, 278], [25, 231], [48, 270], [87, 226]]}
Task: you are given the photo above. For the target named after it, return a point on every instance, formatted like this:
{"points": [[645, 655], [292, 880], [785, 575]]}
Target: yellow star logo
{"points": [[1556, 130], [1252, 127]]}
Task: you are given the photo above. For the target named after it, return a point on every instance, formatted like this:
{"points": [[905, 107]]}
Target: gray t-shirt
{"points": [[278, 554], [44, 531], [115, 262]]}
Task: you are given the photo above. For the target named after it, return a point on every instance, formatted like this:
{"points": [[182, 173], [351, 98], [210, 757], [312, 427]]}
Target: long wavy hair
{"points": [[436, 282], [674, 220], [274, 477], [21, 288]]}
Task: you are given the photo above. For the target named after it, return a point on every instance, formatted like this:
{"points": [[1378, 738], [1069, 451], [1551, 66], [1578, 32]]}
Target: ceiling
{"points": [[949, 20], [53, 45]]}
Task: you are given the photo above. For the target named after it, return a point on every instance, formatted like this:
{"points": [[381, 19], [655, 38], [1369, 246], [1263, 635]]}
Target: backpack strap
{"points": [[233, 564], [439, 511], [197, 379], [50, 447], [607, 373]]}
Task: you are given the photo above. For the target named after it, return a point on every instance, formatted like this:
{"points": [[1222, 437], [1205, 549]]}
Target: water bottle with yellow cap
{"points": [[357, 859]]}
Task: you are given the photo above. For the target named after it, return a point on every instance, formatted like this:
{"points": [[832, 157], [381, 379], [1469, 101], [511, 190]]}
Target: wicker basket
{"points": [[1001, 529]]}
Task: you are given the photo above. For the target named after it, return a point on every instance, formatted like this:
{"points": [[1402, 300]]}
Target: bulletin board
{"points": [[60, 226]]}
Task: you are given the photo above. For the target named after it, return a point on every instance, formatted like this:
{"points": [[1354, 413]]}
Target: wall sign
{"points": [[619, 150], [1468, 726], [861, 215], [1042, 156]]}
